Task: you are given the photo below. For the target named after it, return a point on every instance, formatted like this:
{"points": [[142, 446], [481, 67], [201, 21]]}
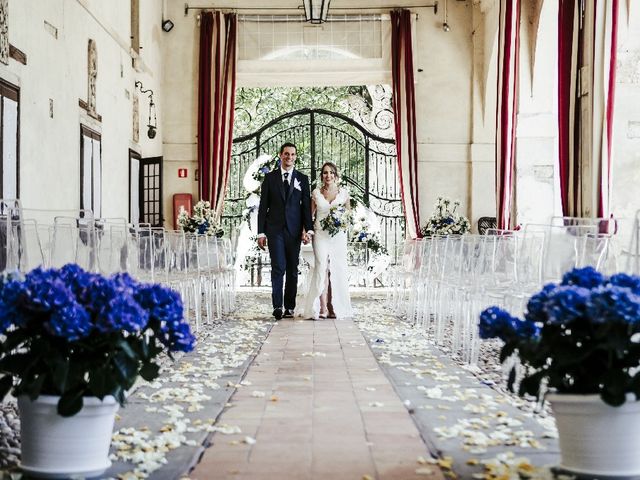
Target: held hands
{"points": [[306, 237]]}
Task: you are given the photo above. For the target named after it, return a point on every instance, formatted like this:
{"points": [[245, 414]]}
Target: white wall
{"points": [[626, 161], [443, 105], [57, 69], [180, 87]]}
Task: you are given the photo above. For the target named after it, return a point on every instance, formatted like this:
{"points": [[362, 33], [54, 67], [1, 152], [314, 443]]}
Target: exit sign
{"points": [[182, 173]]}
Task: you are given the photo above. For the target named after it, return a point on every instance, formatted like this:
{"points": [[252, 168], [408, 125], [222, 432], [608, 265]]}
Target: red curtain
{"points": [[216, 101], [507, 110], [610, 25], [573, 134], [567, 105], [404, 107]]}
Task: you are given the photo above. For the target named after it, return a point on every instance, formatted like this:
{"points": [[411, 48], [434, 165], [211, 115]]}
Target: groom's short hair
{"points": [[288, 144]]}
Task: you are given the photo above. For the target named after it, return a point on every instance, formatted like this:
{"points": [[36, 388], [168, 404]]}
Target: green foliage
{"points": [[255, 107]]}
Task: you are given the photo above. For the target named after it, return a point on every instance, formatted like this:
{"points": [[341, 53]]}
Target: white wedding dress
{"points": [[329, 252]]}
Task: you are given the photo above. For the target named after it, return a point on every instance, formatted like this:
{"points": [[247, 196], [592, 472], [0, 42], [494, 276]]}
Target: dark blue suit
{"points": [[281, 217]]}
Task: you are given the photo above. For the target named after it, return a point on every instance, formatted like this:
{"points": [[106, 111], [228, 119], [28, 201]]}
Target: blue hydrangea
{"points": [[76, 278], [99, 293], [526, 329], [614, 304], [163, 304], [70, 321], [121, 313], [125, 283], [495, 323], [46, 291], [566, 304], [535, 307], [11, 297], [177, 336], [203, 227], [587, 277], [623, 280]]}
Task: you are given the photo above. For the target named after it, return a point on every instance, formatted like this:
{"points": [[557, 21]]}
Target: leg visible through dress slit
{"points": [[326, 309]]}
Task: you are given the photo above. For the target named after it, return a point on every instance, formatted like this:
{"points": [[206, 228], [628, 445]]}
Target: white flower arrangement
{"points": [[366, 229], [255, 173], [445, 221], [202, 221]]}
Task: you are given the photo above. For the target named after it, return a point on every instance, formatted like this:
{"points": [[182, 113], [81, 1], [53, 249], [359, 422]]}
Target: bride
{"points": [[328, 294]]}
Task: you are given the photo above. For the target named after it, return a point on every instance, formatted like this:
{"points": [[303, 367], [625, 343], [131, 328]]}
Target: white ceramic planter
{"points": [[596, 438], [55, 446]]}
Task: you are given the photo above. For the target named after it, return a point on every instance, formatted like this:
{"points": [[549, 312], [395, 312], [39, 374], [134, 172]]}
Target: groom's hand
{"points": [[262, 242]]}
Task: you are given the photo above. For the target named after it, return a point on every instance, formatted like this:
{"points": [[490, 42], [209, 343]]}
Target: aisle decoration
{"points": [[580, 339], [365, 229], [73, 343], [255, 173], [445, 220], [203, 221]]}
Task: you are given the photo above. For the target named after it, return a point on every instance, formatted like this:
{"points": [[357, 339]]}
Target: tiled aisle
{"points": [[318, 407]]}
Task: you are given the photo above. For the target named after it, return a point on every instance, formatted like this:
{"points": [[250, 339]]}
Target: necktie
{"points": [[286, 180]]}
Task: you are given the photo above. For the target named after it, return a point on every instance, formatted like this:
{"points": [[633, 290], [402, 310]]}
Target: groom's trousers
{"points": [[284, 250]]}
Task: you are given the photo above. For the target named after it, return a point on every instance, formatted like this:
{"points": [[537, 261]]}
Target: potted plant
{"points": [[73, 343], [580, 341]]}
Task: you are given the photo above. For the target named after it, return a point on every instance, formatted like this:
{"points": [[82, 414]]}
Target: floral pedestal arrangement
{"points": [[60, 447], [580, 340]]}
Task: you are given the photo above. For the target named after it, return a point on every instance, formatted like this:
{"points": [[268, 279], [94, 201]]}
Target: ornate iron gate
{"points": [[366, 162]]}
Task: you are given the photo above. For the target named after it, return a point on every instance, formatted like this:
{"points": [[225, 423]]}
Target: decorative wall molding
{"points": [[136, 119], [92, 75], [4, 31], [17, 54]]}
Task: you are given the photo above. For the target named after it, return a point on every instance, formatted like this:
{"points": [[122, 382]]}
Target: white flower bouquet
{"points": [[202, 222], [365, 229], [445, 221]]}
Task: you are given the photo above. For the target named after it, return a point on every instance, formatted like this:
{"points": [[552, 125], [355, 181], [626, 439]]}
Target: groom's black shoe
{"points": [[277, 313], [288, 313]]}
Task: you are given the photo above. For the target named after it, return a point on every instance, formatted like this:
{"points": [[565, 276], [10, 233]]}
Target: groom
{"points": [[284, 220]]}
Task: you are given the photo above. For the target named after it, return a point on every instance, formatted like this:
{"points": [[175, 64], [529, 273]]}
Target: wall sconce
{"points": [[152, 124], [167, 25], [315, 11], [445, 24]]}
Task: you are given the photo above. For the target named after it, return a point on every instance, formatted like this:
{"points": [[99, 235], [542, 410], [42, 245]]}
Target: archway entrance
{"points": [[366, 161]]}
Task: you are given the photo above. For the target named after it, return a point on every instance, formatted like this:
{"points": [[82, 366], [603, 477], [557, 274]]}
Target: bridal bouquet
{"points": [[202, 222], [445, 221], [338, 219]]}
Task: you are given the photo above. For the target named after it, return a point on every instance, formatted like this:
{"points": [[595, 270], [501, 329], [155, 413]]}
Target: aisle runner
{"points": [[316, 405], [479, 432], [160, 432]]}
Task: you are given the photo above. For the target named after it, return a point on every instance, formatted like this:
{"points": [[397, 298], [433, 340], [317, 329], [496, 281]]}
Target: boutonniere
{"points": [[296, 184]]}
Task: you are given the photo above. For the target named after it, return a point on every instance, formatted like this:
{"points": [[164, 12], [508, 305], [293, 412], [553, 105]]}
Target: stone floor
{"points": [[317, 405]]}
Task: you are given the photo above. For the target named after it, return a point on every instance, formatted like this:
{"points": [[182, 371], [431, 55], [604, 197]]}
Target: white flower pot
{"points": [[596, 438], [55, 446]]}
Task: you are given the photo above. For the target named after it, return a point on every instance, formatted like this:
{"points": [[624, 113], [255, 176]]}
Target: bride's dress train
{"points": [[329, 253]]}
